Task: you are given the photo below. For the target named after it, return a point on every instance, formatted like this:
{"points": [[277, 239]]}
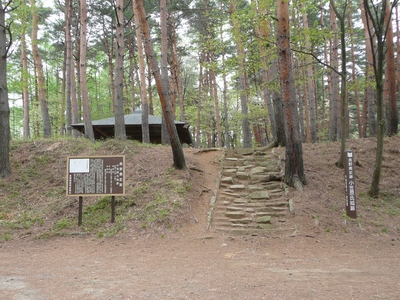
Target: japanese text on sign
{"points": [[349, 179], [96, 175]]}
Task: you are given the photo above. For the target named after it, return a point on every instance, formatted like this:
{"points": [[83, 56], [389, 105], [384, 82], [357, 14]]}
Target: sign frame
{"points": [[350, 184], [106, 166]]}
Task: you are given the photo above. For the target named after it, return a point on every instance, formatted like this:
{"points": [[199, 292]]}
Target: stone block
{"points": [[259, 195], [264, 220], [235, 215], [237, 187], [242, 175]]}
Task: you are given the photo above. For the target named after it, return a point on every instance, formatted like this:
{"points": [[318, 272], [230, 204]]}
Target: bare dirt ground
{"points": [[327, 256]]}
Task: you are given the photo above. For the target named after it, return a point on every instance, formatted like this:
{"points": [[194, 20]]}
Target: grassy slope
{"points": [[33, 201], [158, 198]]}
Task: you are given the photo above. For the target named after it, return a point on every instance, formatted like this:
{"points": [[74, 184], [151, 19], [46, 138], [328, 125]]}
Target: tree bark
{"points": [[369, 91], [391, 75], [398, 47], [278, 107], [164, 66], [87, 118], [68, 65], [5, 168], [227, 143], [175, 66], [109, 49], [354, 78], [162, 88], [132, 65], [294, 168], [246, 131], [262, 32], [323, 92], [119, 126], [377, 27], [343, 86], [40, 74], [199, 99], [142, 79], [25, 84], [334, 81], [310, 84]]}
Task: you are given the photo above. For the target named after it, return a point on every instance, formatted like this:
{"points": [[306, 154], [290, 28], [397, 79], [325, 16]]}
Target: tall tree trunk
{"points": [[212, 81], [227, 143], [278, 107], [391, 75], [119, 126], [369, 92], [199, 99], [87, 118], [323, 88], [77, 59], [175, 66], [214, 88], [246, 131], [377, 27], [40, 74], [164, 65], [310, 83], [24, 79], [74, 100], [306, 136], [149, 87], [75, 107], [302, 111], [142, 78], [294, 168], [132, 65], [5, 168], [343, 86], [68, 65], [398, 47], [334, 78], [109, 49], [262, 33], [65, 107], [354, 77], [162, 87]]}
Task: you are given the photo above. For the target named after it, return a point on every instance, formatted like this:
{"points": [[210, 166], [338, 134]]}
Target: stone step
{"points": [[251, 198], [255, 231], [221, 216]]}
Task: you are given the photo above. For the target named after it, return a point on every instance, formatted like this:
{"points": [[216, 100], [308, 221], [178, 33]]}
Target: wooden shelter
{"points": [[104, 128]]}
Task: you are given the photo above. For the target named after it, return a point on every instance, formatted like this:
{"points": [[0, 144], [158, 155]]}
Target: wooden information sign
{"points": [[95, 175]]}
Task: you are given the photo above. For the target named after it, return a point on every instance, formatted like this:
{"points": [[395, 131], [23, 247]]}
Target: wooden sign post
{"points": [[95, 176], [350, 184]]}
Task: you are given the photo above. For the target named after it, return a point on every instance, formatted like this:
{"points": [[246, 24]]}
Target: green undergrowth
{"points": [[33, 201]]}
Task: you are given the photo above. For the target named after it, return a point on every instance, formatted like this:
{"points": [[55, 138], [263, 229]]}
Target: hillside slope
{"points": [[161, 200]]}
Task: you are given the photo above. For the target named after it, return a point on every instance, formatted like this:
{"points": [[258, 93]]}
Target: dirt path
{"points": [[218, 267], [315, 263]]}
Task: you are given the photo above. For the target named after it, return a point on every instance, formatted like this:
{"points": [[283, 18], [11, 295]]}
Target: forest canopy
{"points": [[222, 63]]}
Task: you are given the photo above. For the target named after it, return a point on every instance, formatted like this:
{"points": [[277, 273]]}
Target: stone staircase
{"points": [[251, 198]]}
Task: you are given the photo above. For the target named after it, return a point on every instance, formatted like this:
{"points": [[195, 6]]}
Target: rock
{"points": [[233, 208], [229, 172], [240, 201], [237, 187], [259, 195], [235, 215], [257, 170], [242, 175], [264, 220], [227, 180]]}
